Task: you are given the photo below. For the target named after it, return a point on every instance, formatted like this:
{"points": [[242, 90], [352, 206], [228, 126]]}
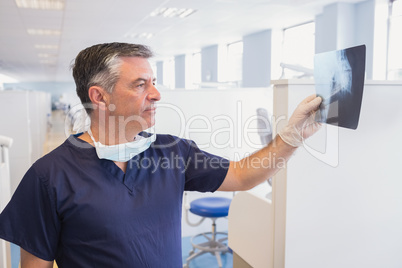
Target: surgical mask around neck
{"points": [[124, 151]]}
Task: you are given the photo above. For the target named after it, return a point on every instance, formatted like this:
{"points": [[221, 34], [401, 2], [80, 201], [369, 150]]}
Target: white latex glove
{"points": [[301, 124]]}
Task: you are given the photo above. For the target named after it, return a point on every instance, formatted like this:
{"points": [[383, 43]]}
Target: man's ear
{"points": [[98, 97]]}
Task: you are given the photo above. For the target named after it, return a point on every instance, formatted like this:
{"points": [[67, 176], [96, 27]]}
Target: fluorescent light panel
{"points": [[173, 12], [46, 46], [187, 13], [141, 35], [41, 4], [47, 61], [45, 55], [43, 32]]}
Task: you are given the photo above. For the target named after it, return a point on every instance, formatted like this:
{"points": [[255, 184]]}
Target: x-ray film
{"points": [[339, 80]]}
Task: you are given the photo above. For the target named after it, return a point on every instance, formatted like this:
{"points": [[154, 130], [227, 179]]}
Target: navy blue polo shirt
{"points": [[84, 211]]}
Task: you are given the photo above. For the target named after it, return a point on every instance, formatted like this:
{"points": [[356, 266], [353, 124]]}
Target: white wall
{"points": [[39, 109], [348, 214], [14, 114], [23, 117], [5, 196]]}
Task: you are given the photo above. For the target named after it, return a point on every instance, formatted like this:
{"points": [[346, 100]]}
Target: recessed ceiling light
{"points": [[173, 12], [46, 46], [141, 35], [41, 4], [187, 13], [47, 61], [43, 32], [45, 55], [146, 35]]}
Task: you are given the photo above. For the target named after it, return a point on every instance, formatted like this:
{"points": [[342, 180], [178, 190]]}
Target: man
{"points": [[92, 203]]}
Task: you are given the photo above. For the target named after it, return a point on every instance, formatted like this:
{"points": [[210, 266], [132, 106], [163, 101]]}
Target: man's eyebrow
{"points": [[140, 79], [143, 80]]}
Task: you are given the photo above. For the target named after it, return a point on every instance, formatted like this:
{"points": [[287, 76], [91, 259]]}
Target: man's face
{"points": [[131, 104]]}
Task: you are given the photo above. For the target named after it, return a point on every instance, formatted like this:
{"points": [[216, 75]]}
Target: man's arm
{"points": [[30, 261], [258, 167]]}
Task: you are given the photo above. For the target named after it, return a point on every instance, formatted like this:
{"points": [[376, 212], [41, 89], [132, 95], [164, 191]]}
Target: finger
{"points": [[309, 98], [313, 104]]}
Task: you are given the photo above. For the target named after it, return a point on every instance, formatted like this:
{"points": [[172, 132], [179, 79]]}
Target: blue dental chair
{"points": [[212, 208]]}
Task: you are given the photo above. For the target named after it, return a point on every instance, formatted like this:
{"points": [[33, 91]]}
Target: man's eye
{"points": [[141, 85]]}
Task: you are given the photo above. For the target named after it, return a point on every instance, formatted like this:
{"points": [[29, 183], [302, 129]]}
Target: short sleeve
{"points": [[30, 218], [205, 172]]}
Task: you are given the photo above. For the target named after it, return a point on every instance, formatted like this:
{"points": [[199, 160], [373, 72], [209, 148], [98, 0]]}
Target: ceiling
{"points": [[83, 23]]}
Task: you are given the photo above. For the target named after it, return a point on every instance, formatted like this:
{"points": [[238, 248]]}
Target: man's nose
{"points": [[154, 94]]}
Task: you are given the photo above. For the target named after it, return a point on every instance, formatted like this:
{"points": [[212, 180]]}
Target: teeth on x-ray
{"points": [[339, 81]]}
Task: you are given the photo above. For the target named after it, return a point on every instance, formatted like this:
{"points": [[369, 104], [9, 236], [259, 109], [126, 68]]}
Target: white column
{"points": [[180, 71], [159, 72], [257, 59]]}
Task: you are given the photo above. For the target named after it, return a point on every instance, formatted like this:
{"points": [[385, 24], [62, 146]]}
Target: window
{"points": [[234, 62], [395, 41], [153, 67], [169, 73], [193, 70], [230, 64], [298, 49], [222, 63]]}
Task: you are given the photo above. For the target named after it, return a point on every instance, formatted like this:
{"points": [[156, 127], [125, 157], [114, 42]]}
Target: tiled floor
{"points": [[207, 260]]}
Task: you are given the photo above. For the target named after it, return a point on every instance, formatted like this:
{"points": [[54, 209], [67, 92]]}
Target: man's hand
{"points": [[263, 164], [301, 124]]}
